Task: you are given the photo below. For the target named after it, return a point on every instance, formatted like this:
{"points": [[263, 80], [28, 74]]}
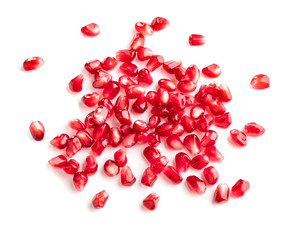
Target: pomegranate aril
{"points": [[137, 42], [144, 54], [122, 103], [109, 63], [154, 62], [73, 146], [159, 23], [144, 28], [98, 146], [192, 144], [175, 116], [60, 141], [100, 115], [129, 140], [192, 73], [89, 120], [159, 165], [76, 84], [85, 138], [260, 81], [151, 154], [110, 168], [224, 93], [71, 167], [210, 175], [140, 126], [32, 63], [152, 98], [177, 130], [140, 105], [196, 39], [141, 138], [135, 91], [253, 129], [76, 124], [223, 120], [238, 137], [148, 177], [209, 138], [126, 130], [216, 107], [151, 201], [90, 99], [179, 73], [129, 69], [101, 79], [190, 100], [174, 142], [240, 188], [108, 104], [186, 86], [170, 66], [37, 130], [59, 161], [154, 121], [125, 81], [123, 117], [188, 123], [144, 77], [101, 131], [199, 162], [163, 96], [91, 30], [195, 184], [197, 111], [221, 193], [182, 162], [99, 200], [126, 55], [120, 157], [127, 177], [212, 89], [213, 154], [80, 179], [204, 123], [164, 129], [172, 174], [111, 90], [115, 137], [212, 71], [167, 84], [90, 166], [160, 111], [93, 66], [178, 101]]}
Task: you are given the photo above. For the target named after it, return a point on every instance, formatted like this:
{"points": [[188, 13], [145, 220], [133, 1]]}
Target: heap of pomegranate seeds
{"points": [[180, 116]]}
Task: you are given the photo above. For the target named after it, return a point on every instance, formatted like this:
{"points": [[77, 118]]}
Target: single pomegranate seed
{"points": [[192, 144], [32, 63], [209, 138], [140, 126], [212, 89], [90, 99], [195, 184], [178, 101], [212, 71], [163, 96], [37, 130], [135, 91], [59, 161], [76, 84], [171, 173], [101, 79], [126, 55], [126, 130], [177, 130], [154, 121], [225, 94], [122, 103], [99, 200], [238, 137], [170, 66], [115, 137], [140, 105], [196, 39], [160, 111], [182, 161], [188, 123], [109, 63], [167, 84], [199, 161], [120, 157], [90, 166], [148, 177], [154, 62], [89, 120], [204, 123], [129, 140], [91, 30], [76, 124], [186, 86], [200, 93], [197, 111], [85, 138], [221, 193], [129, 69], [93, 66], [174, 142], [260, 81], [137, 42], [101, 131], [164, 129], [123, 117], [144, 28], [240, 188], [179, 73], [144, 54], [125, 81], [110, 168], [223, 120], [100, 115], [60, 141], [151, 154], [71, 167], [159, 23], [74, 145], [253, 129], [211, 175], [108, 104], [151, 201], [98, 147], [141, 138], [159, 165], [190, 101], [213, 154], [145, 77], [175, 116], [127, 177], [111, 90], [80, 179], [192, 73], [216, 107]]}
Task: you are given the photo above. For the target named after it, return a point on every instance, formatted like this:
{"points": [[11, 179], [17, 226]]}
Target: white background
{"points": [[244, 37]]}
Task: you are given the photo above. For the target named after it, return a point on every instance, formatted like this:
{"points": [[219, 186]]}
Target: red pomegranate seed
{"points": [[238, 137], [122, 103], [140, 126], [190, 101], [253, 129], [225, 94], [71, 167], [110, 168], [170, 66], [192, 144], [212, 89], [101, 79], [167, 84], [260, 81], [163, 96], [32, 63], [223, 120], [120, 157], [115, 137], [76, 84], [109, 63], [93, 66], [137, 42], [213, 154], [80, 179], [90, 166], [197, 111], [151, 154], [211, 175], [178, 101], [85, 138], [144, 54], [127, 177], [209, 138], [135, 91], [192, 73], [140, 105], [216, 107], [188, 123], [171, 173], [175, 116], [123, 117], [145, 77], [100, 115], [195, 184], [98, 147], [221, 193], [179, 73], [144, 28], [129, 140], [154, 62], [74, 145], [186, 86], [196, 40], [148, 177], [91, 30], [125, 81], [111, 90], [160, 111], [60, 141], [141, 138], [89, 120], [174, 142], [204, 123], [152, 98], [129, 69], [37, 130], [151, 201], [212, 71], [159, 23], [59, 161], [240, 188], [101, 131], [177, 130], [199, 161], [159, 165], [90, 99], [76, 124], [99, 200], [182, 161], [164, 129], [126, 130], [126, 55], [108, 104]]}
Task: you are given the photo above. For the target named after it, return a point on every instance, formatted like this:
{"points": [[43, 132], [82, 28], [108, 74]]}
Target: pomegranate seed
{"points": [[109, 63], [126, 130], [179, 73], [212, 89], [177, 130], [223, 120], [123, 117], [98, 146], [140, 105], [170, 66], [151, 97], [111, 90], [260, 81], [196, 39], [99, 200], [80, 179], [195, 184], [129, 69], [192, 73], [159, 165], [127, 177], [140, 126], [137, 42], [101, 131], [76, 124], [110, 168], [135, 91], [216, 107], [60, 141], [224, 93], [175, 116], [129, 140], [211, 175], [186, 86], [240, 188], [90, 99], [163, 96], [144, 54], [74, 145], [37, 130], [85, 138], [115, 137], [253, 129], [213, 154], [100, 115], [204, 123], [76, 84], [192, 144], [197, 111], [125, 81], [141, 138], [164, 129], [93, 66], [71, 167], [122, 103], [144, 28], [188, 123], [91, 30], [126, 55], [159, 23], [154, 121], [212, 71], [200, 93], [160, 111], [209, 138], [101, 79], [199, 161], [154, 62], [151, 154], [145, 77], [120, 157], [221, 193], [90, 166], [167, 84], [190, 100], [59, 161], [32, 63], [174, 142], [148, 177], [178, 101], [182, 162], [108, 104], [172, 174], [238, 137], [151, 201], [89, 120]]}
